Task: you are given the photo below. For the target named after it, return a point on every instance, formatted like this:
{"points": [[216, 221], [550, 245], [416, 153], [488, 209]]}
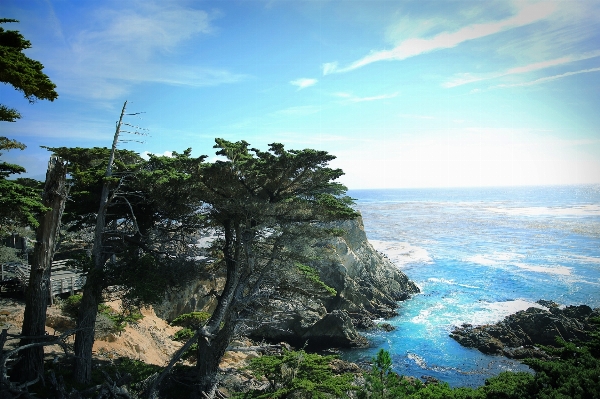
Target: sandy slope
{"points": [[149, 340]]}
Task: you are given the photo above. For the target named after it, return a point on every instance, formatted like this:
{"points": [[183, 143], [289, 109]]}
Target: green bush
{"points": [[313, 276], [299, 374], [120, 320], [191, 320], [184, 334], [70, 307]]}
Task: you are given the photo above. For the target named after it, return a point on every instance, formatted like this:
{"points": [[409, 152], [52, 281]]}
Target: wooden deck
{"points": [[62, 278]]}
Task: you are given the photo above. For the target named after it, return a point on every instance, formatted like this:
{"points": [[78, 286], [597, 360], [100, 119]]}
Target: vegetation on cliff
{"points": [[572, 370], [262, 208]]}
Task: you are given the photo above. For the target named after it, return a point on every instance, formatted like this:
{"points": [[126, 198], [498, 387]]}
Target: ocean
{"points": [[478, 254]]}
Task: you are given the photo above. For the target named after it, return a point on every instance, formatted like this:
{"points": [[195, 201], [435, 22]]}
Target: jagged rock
{"points": [[368, 283], [340, 366], [287, 318], [362, 320], [518, 334]]}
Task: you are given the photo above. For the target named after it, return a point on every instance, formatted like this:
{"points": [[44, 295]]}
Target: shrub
{"points": [[313, 276], [70, 306], [108, 321], [300, 375], [184, 334], [191, 320]]}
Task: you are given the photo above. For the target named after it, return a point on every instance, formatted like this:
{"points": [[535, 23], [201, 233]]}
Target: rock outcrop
{"points": [[519, 334], [368, 286], [197, 295], [367, 282]]}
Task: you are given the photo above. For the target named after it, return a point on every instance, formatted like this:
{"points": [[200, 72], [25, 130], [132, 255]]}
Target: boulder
{"points": [[334, 330]]}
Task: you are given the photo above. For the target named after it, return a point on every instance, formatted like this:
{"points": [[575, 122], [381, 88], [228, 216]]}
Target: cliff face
{"points": [[367, 282], [368, 286], [198, 295]]}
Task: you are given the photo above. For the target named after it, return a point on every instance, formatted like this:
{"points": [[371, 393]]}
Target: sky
{"points": [[404, 93]]}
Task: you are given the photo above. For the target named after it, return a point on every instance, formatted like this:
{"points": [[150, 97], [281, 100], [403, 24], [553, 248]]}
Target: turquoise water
{"points": [[478, 255]]}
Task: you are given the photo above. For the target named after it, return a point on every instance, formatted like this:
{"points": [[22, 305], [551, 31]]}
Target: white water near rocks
{"points": [[478, 255]]}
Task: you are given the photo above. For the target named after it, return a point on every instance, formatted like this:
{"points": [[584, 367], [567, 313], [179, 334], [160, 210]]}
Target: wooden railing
{"points": [[62, 278]]}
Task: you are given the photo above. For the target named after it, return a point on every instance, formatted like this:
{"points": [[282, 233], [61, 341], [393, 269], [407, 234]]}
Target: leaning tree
{"points": [[256, 202]]}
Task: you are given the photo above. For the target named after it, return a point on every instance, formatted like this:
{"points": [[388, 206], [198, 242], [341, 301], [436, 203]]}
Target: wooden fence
{"points": [[62, 278]]}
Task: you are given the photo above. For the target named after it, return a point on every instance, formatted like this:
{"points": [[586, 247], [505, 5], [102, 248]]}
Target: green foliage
{"points": [[573, 371], [191, 320], [20, 200], [382, 363], [381, 382], [278, 185], [70, 307], [120, 320], [313, 276], [87, 167], [184, 334], [21, 72], [146, 275], [299, 375], [138, 370], [10, 144], [508, 385]]}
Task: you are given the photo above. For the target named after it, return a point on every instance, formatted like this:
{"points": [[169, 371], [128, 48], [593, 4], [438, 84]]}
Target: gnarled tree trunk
{"points": [[209, 354], [31, 364]]}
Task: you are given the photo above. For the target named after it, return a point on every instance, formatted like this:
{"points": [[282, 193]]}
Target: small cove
{"points": [[478, 255]]}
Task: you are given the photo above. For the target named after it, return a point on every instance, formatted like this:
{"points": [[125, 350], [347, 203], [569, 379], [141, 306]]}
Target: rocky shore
{"points": [[519, 335], [367, 285]]}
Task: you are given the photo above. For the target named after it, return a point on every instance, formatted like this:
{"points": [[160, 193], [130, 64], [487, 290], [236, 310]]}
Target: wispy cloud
{"points": [[548, 78], [138, 43], [303, 83], [467, 78], [526, 15], [355, 99]]}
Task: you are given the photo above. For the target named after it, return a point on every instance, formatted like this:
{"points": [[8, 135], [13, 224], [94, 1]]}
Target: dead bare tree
{"points": [[92, 292]]}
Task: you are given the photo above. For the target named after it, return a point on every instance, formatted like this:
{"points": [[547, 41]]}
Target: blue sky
{"points": [[404, 93]]}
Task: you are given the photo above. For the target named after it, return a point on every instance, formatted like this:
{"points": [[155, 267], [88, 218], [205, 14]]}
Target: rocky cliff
{"points": [[368, 286], [367, 282], [518, 334]]}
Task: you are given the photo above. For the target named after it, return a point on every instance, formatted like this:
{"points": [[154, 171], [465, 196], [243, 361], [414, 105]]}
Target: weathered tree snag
{"points": [[31, 364], [92, 291]]}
